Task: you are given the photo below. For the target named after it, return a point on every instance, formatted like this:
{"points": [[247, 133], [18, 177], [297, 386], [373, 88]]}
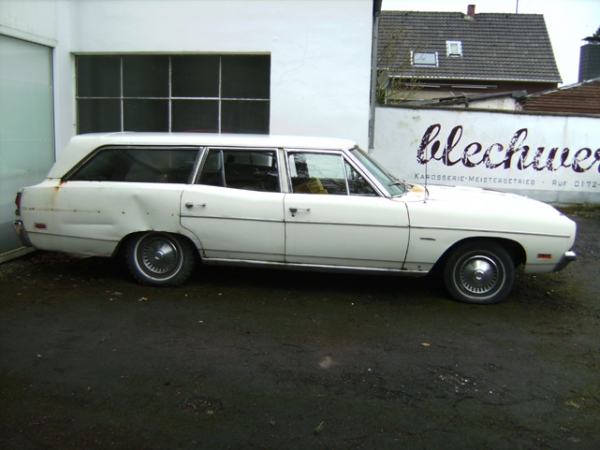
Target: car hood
{"points": [[477, 208], [486, 198]]}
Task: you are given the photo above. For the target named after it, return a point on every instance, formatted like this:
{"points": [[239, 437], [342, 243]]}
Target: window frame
{"points": [[206, 152], [449, 51], [414, 53], [383, 186], [345, 160], [221, 100], [106, 148]]}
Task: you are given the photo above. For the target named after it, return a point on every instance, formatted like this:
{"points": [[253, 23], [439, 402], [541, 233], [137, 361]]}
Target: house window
{"points": [[454, 48], [428, 59], [209, 93]]}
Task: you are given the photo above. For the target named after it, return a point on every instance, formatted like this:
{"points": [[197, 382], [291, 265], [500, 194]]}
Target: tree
{"points": [[397, 78], [594, 38]]}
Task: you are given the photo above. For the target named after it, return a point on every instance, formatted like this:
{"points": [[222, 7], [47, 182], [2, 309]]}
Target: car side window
{"points": [[253, 170], [142, 165], [317, 173], [325, 173]]}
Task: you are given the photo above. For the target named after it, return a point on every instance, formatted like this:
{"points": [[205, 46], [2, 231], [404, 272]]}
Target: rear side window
{"points": [[142, 165], [252, 170]]}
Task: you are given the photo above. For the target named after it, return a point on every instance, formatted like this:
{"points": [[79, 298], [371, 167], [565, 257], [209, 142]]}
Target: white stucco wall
{"points": [[30, 20], [548, 157], [504, 103], [320, 50]]}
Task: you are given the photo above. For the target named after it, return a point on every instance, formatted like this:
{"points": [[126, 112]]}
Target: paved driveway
{"points": [[241, 358]]}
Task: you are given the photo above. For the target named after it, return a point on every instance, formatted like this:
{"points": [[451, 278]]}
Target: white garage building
{"points": [[297, 67]]}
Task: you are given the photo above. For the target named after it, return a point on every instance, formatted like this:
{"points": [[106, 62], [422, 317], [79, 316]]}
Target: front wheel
{"points": [[160, 259], [479, 272]]}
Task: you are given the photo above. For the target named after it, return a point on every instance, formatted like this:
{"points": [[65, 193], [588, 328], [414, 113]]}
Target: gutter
{"points": [[374, 58]]}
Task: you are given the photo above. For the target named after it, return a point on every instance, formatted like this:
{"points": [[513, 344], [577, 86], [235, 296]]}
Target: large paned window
{"points": [[207, 93], [26, 126]]}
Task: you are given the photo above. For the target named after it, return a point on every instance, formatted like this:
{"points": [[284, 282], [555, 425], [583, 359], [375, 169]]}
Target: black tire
{"points": [[479, 272], [160, 259]]}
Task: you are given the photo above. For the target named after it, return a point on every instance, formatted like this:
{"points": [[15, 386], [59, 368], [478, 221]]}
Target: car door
{"points": [[334, 217], [235, 207]]}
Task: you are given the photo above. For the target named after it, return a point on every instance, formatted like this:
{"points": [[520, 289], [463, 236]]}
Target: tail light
{"points": [[18, 203]]}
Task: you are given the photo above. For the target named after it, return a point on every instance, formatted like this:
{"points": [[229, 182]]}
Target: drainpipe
{"points": [[375, 40]]}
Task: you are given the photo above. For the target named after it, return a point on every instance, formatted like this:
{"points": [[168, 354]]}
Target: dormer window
{"points": [[427, 59], [454, 48]]}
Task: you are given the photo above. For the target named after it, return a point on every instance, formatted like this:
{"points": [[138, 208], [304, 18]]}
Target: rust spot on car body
{"points": [[60, 184]]}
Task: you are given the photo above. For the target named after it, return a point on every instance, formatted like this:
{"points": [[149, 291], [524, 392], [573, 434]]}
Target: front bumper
{"points": [[22, 233], [565, 260]]}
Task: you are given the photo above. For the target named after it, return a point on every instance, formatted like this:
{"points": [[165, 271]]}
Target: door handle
{"points": [[191, 205], [295, 210]]}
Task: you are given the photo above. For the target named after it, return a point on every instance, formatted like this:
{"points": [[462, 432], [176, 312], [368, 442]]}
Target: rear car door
{"points": [[235, 207]]}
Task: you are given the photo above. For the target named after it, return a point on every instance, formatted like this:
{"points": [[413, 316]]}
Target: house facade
{"points": [[295, 67], [425, 55]]}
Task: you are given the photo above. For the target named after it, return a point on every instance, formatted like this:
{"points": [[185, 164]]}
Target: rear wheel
{"points": [[160, 259], [479, 272]]}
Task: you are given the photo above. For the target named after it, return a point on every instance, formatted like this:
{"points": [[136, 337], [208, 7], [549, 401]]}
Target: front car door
{"points": [[335, 218], [235, 206]]}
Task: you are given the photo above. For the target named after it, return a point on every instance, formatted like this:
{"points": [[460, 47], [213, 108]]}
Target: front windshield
{"points": [[393, 185]]}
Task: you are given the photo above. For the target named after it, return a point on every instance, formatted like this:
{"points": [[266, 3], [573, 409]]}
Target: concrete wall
{"points": [[320, 50], [548, 157], [30, 20]]}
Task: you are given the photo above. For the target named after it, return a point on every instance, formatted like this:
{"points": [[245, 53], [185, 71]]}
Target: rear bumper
{"points": [[566, 259], [22, 233]]}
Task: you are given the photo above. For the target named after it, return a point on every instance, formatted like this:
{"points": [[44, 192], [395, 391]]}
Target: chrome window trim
{"points": [[92, 154], [346, 157], [316, 267], [206, 150], [488, 231]]}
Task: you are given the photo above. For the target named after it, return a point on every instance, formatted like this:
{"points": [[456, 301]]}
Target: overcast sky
{"points": [[568, 22]]}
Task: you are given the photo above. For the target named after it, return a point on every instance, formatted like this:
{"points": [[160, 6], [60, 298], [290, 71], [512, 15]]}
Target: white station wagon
{"points": [[170, 200]]}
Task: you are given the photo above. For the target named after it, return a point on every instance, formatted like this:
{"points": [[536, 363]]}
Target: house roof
{"points": [[575, 98], [495, 47]]}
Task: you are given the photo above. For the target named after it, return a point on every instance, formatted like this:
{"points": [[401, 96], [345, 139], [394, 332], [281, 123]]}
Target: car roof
{"points": [[80, 146]]}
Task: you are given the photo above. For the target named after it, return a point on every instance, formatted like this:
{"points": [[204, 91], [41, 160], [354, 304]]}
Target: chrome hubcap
{"points": [[479, 274], [160, 256]]}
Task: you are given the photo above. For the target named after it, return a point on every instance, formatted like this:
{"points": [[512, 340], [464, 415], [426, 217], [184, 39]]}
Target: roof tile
{"points": [[495, 46]]}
